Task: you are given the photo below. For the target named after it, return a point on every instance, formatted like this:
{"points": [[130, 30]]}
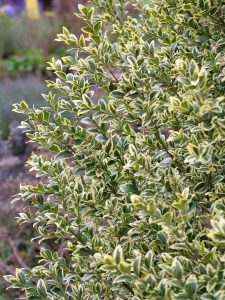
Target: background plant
{"points": [[135, 192], [29, 88], [21, 33], [31, 61]]}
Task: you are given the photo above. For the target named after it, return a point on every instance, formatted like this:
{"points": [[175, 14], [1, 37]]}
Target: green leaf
{"points": [[20, 275], [118, 255], [82, 9], [80, 171], [118, 94], [191, 286], [97, 26], [217, 233], [128, 188], [178, 269], [123, 278], [82, 42], [88, 121], [41, 288], [137, 265], [201, 188], [64, 154], [149, 260]]}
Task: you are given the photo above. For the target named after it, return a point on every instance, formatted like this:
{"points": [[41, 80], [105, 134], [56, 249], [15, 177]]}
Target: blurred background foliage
{"points": [[12, 91], [19, 33], [25, 46]]}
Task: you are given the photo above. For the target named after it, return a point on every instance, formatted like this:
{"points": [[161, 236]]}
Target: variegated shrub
{"points": [[133, 191]]}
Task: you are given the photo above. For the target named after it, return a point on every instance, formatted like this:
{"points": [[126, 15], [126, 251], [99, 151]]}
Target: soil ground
{"points": [[16, 249], [12, 173]]}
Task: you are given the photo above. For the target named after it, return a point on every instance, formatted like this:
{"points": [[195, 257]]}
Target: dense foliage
{"points": [[134, 191]]}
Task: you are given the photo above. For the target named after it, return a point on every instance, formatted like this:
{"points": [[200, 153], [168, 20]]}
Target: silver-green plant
{"points": [[133, 192]]}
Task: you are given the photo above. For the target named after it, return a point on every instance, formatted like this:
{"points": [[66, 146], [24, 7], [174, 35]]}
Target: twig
{"points": [[4, 235], [164, 146]]}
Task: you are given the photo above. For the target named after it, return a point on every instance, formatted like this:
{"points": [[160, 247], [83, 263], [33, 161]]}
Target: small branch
{"points": [[128, 288], [113, 75], [4, 235], [16, 254], [164, 146], [62, 249]]}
